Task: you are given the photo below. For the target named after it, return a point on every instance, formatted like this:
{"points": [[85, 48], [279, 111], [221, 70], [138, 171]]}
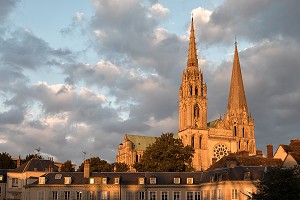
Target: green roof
{"points": [[141, 142], [213, 123]]}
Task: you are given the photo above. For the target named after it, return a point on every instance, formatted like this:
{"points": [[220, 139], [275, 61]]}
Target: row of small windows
{"points": [[216, 194], [196, 91]]}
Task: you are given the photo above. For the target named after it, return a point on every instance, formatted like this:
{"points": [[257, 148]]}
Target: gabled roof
{"points": [[296, 156], [36, 165], [140, 142]]}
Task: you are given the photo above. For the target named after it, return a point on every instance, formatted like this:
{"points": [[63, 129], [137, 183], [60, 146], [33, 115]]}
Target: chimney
{"points": [[269, 151], [19, 162], [86, 169], [259, 153], [50, 168]]}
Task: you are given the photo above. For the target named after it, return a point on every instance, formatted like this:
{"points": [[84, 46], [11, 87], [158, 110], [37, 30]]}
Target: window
{"points": [[152, 180], [197, 195], [213, 194], [243, 132], [205, 194], [116, 195], [193, 141], [41, 195], [129, 195], [79, 195], [91, 195], [54, 195], [189, 180], [42, 180], [117, 180], [247, 176], [104, 180], [104, 195], [189, 196], [15, 182], [67, 194], [141, 181], [196, 91], [219, 194], [0, 190], [234, 194], [234, 131], [177, 180], [92, 180], [141, 195], [68, 180], [1, 178], [152, 195], [164, 196], [200, 142], [176, 195]]}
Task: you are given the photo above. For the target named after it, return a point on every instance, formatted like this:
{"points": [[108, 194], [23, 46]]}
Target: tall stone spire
{"points": [[237, 97], [192, 60]]}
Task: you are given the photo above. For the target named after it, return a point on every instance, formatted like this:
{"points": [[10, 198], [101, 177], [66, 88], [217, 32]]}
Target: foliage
{"points": [[30, 156], [279, 184], [6, 162], [120, 167], [67, 166], [97, 165], [167, 154]]}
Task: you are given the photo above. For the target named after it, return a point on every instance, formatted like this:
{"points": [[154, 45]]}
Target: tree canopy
{"points": [[97, 165], [279, 184], [166, 154], [30, 156], [120, 167], [6, 162], [67, 166]]}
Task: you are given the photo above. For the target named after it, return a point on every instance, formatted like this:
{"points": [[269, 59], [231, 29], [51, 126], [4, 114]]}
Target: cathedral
{"points": [[211, 140]]}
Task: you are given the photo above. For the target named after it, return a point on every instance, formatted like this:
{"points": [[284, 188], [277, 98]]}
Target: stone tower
{"points": [[193, 105]]}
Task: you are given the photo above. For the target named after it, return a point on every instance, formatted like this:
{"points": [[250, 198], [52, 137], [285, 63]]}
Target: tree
{"points": [[166, 154], [67, 166], [6, 162], [97, 165], [30, 156], [279, 184], [120, 167]]}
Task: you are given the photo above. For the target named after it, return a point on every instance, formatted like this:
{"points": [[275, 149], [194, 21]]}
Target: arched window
{"points": [[239, 144], [196, 91], [191, 90], [200, 142], [234, 131], [196, 112], [243, 132]]}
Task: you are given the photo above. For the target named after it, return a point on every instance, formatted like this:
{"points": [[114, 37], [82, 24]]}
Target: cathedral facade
{"points": [[211, 140]]}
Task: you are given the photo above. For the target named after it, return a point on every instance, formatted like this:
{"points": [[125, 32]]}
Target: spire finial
{"points": [[235, 42]]}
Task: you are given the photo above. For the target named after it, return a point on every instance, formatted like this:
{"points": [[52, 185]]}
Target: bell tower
{"points": [[192, 92]]}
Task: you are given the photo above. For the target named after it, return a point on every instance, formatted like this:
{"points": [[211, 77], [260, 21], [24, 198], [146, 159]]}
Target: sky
{"points": [[75, 77]]}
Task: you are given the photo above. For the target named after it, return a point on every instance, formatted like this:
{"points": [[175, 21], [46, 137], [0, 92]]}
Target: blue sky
{"points": [[78, 76]]}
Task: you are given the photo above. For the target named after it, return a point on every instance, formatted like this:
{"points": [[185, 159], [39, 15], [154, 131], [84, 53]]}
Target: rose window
{"points": [[220, 150]]}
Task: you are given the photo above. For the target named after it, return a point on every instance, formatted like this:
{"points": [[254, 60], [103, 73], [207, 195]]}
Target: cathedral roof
{"points": [[237, 96], [140, 142], [192, 61]]}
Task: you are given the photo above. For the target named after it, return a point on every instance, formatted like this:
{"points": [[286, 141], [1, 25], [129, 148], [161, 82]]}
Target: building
{"points": [[222, 183], [289, 154], [211, 140], [3, 180], [26, 174]]}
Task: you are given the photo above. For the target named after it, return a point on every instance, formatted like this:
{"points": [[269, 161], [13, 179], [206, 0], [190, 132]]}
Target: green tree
{"points": [[30, 156], [166, 154], [67, 166], [120, 167], [6, 162], [279, 184], [97, 165]]}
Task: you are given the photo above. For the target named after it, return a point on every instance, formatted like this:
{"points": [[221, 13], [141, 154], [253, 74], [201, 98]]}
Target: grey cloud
{"points": [[6, 7]]}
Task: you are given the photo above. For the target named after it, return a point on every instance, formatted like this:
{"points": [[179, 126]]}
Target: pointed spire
{"points": [[237, 98], [192, 60]]}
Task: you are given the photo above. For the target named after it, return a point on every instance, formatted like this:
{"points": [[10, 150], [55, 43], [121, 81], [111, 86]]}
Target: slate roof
{"points": [[241, 160], [141, 142], [36, 165], [162, 178], [296, 156]]}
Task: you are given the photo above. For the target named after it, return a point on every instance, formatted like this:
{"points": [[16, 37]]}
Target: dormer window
{"points": [[189, 181], [68, 180], [141, 181], [247, 176], [176, 180], [104, 180], [117, 181], [92, 181], [42, 180], [152, 180]]}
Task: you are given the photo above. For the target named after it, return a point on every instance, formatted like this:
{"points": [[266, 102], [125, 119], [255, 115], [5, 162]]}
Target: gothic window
{"points": [[196, 112], [243, 132], [234, 131], [191, 90], [137, 158], [193, 141], [239, 144], [200, 142], [220, 150], [196, 91]]}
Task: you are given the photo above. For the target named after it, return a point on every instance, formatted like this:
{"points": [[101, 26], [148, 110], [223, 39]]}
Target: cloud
{"points": [[6, 7]]}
